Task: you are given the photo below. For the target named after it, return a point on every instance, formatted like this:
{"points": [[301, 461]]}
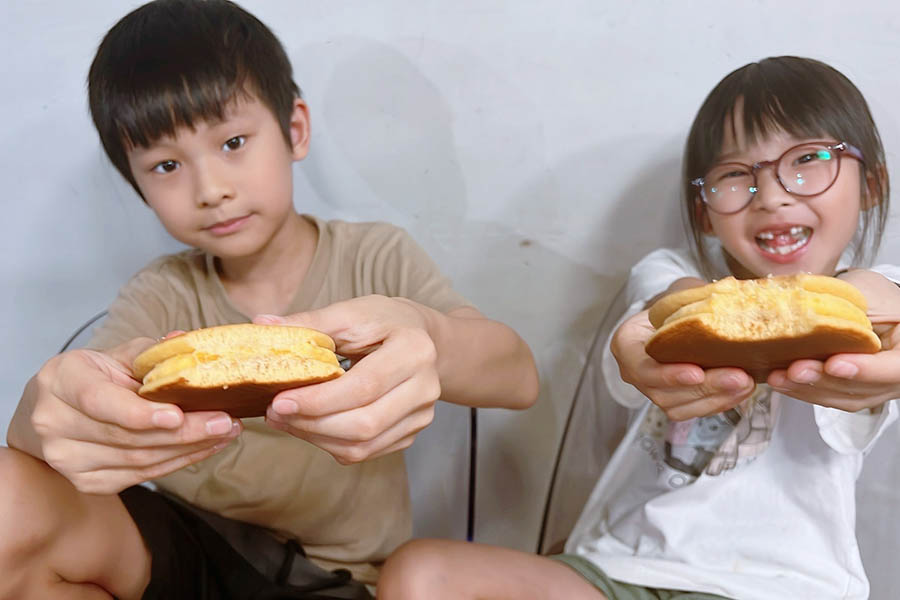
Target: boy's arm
{"points": [[80, 414], [480, 362], [406, 356]]}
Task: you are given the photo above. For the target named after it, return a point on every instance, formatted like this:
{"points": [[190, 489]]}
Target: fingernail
{"points": [[218, 426], [843, 369], [686, 378], [167, 419], [731, 382], [807, 376], [285, 407]]}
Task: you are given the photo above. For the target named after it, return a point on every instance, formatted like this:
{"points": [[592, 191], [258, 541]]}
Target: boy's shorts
{"points": [[192, 560], [618, 590]]}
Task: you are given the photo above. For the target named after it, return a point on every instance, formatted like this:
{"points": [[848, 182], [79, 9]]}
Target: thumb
{"points": [[268, 320]]}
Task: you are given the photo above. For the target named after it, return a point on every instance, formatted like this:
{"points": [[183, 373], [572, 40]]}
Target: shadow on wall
{"points": [[400, 143]]}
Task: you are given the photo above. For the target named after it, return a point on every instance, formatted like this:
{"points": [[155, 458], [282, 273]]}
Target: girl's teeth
{"points": [[784, 249], [797, 235]]}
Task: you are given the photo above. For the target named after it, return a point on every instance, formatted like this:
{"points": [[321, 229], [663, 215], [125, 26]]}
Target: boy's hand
{"points": [[379, 405], [681, 390], [82, 416], [853, 382]]}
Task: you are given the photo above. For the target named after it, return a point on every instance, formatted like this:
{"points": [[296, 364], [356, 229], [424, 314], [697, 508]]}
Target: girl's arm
{"points": [[854, 382]]}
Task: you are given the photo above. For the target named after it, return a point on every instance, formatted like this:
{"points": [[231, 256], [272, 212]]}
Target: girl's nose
{"points": [[770, 194]]}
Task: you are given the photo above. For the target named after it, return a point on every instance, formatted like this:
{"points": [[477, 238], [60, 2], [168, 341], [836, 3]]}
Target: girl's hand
{"points": [[82, 416], [681, 390], [854, 382]]}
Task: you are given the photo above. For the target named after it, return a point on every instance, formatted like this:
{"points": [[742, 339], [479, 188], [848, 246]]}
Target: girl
{"points": [[784, 172]]}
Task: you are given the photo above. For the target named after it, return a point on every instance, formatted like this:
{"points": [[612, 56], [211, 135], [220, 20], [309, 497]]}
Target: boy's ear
{"points": [[701, 216], [299, 130]]}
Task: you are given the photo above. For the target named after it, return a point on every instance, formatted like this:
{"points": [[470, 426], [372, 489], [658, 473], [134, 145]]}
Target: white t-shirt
{"points": [[777, 521]]}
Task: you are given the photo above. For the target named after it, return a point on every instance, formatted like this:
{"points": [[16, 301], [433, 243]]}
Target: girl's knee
{"points": [[414, 570]]}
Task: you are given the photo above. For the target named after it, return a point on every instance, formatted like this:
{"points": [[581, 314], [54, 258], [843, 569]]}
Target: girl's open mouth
{"points": [[781, 242]]}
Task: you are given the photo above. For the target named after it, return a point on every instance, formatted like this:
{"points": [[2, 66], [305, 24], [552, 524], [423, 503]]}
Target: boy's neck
{"points": [[267, 282]]}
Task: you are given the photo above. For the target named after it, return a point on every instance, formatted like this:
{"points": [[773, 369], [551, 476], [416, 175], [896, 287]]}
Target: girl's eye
{"points": [[166, 166], [234, 143]]}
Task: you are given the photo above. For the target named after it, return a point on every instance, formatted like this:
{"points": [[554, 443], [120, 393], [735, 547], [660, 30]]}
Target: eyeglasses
{"points": [[804, 170]]}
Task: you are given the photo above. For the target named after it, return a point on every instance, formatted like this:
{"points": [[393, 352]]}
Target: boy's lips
{"points": [[227, 226], [783, 243]]}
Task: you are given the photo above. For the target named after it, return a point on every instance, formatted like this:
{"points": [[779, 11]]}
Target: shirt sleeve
{"points": [[145, 307], [400, 267], [849, 433], [652, 275]]}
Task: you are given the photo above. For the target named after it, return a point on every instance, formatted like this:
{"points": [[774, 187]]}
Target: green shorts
{"points": [[618, 590]]}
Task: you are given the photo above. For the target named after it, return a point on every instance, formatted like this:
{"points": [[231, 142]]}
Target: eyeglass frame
{"points": [[841, 147]]}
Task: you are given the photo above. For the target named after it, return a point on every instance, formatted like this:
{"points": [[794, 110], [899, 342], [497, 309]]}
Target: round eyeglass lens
{"points": [[728, 187], [808, 170]]}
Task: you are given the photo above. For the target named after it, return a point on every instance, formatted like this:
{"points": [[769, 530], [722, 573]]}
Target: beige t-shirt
{"points": [[349, 516]]}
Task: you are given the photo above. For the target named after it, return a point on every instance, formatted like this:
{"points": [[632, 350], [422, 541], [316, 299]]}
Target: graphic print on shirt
{"points": [[714, 443]]}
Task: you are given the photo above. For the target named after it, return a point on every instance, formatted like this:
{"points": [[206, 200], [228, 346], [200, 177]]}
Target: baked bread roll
{"points": [[761, 324], [235, 368]]}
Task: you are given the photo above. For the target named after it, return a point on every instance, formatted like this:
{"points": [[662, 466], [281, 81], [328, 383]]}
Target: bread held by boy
{"points": [[236, 368], [761, 324]]}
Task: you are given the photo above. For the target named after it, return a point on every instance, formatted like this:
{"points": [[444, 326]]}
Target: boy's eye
{"points": [[166, 166], [234, 143]]}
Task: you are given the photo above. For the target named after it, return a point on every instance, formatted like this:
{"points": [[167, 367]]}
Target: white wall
{"points": [[532, 147]]}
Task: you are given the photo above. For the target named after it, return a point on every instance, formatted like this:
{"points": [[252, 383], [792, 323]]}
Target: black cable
{"points": [[78, 331], [473, 463]]}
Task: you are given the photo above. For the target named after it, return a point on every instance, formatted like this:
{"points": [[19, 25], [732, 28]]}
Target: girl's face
{"points": [[778, 233]]}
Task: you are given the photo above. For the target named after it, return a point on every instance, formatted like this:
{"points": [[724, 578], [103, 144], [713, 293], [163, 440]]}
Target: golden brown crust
{"points": [[692, 341], [239, 400]]}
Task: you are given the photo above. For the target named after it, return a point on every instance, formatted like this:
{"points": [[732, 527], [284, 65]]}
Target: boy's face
{"points": [[814, 230], [224, 187]]}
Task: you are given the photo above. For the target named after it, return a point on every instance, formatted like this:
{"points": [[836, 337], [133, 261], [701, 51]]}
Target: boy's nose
{"points": [[213, 186], [770, 194]]}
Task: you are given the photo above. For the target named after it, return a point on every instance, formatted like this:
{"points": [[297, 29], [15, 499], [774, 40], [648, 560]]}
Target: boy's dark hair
{"points": [[804, 98], [171, 63]]}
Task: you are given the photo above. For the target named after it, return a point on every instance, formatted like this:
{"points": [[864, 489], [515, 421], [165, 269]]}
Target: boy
{"points": [[195, 106]]}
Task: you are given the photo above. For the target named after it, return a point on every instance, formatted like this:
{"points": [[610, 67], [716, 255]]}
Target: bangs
{"points": [[164, 87], [769, 102], [804, 99], [159, 113]]}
